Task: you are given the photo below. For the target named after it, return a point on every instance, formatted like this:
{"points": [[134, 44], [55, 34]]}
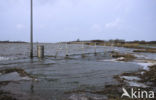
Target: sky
{"points": [[69, 20]]}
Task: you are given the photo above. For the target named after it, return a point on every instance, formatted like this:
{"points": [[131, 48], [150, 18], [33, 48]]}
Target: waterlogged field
{"points": [[83, 75]]}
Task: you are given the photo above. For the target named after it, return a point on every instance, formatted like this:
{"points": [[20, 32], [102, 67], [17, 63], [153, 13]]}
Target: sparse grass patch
{"points": [[150, 75], [126, 57], [6, 96], [18, 70], [145, 50]]}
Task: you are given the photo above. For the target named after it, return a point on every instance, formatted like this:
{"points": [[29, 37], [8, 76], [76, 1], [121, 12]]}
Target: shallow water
{"points": [[59, 77]]}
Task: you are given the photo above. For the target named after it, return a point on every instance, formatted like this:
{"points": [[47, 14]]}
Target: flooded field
{"points": [[75, 77]]}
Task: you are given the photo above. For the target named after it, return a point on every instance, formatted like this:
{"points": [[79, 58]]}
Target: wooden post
{"points": [[112, 46], [57, 50], [83, 49], [67, 50], [95, 48], [104, 48]]}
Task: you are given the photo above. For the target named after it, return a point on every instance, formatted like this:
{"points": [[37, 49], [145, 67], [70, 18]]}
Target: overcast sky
{"points": [[65, 20]]}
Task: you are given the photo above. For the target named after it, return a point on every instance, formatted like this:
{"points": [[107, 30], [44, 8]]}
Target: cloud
{"points": [[113, 24]]}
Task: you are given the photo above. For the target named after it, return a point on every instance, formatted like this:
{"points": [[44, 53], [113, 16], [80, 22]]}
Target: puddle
{"points": [[111, 60], [136, 84], [4, 58], [145, 65], [130, 78]]}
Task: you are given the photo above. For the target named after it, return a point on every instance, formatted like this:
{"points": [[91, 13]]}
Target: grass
{"points": [[147, 76], [150, 75], [126, 45], [127, 57], [145, 50], [18, 70], [6, 95]]}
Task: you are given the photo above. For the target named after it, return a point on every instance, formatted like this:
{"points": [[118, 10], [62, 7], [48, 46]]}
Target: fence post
{"points": [[40, 51], [95, 48], [67, 50], [83, 49], [104, 48], [112, 46], [57, 50]]}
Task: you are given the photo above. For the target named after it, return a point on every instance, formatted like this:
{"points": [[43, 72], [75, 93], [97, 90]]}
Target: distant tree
{"points": [[152, 42], [111, 40], [142, 42], [78, 40], [97, 41], [119, 41]]}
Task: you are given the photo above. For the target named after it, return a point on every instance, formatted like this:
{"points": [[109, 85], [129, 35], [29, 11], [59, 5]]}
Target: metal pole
{"points": [[31, 28]]}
